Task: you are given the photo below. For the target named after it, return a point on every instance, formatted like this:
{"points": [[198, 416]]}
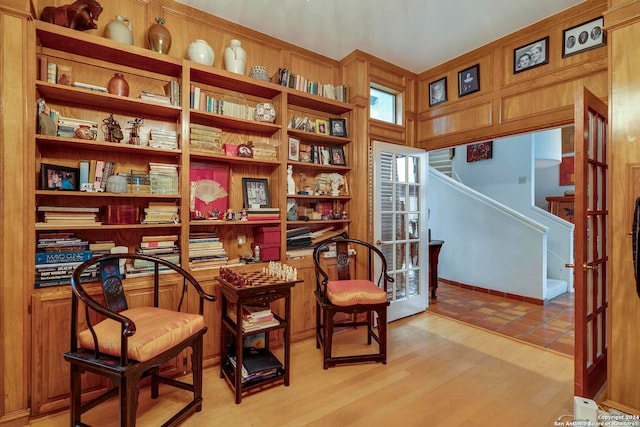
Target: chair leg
{"points": [[128, 394], [328, 336], [155, 384], [370, 325], [318, 324], [382, 333], [75, 411], [196, 366]]}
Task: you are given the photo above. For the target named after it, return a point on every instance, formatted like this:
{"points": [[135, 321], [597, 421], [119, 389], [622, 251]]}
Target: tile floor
{"points": [[549, 326]]}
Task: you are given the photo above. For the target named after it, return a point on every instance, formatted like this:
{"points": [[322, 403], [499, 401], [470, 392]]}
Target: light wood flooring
{"points": [[440, 372]]}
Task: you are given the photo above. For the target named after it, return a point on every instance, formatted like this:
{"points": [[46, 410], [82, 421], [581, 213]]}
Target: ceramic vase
{"points": [[159, 37], [199, 51], [235, 57], [118, 85], [265, 112], [119, 30]]}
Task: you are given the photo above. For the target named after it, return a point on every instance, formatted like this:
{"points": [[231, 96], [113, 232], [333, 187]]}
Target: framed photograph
{"points": [[322, 126], [55, 177], [337, 156], [255, 192], [338, 127], [469, 80], [438, 92], [530, 56], [294, 149], [479, 151], [583, 37]]}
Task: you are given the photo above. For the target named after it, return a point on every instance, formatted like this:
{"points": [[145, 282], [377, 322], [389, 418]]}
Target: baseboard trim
{"points": [[480, 289]]}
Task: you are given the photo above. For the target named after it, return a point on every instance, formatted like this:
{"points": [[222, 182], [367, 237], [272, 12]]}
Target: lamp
{"points": [[548, 148]]}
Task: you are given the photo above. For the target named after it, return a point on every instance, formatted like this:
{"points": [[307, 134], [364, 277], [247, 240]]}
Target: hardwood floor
{"points": [[440, 372]]}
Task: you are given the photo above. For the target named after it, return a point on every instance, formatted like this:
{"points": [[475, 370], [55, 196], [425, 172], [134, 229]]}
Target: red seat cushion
{"points": [[352, 292], [157, 330]]}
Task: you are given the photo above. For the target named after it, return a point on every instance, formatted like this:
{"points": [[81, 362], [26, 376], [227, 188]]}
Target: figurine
{"points": [[244, 216], [134, 134], [79, 15], [111, 129], [229, 216]]}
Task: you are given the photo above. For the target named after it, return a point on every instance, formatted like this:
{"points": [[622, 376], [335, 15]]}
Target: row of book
{"points": [[163, 138], [69, 215], [94, 174], [200, 100], [160, 246], [161, 213], [206, 250], [163, 178], [284, 77], [208, 138]]}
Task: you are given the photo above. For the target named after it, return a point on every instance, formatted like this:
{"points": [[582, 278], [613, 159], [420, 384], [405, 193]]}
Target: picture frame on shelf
{"points": [[338, 127], [255, 192], [57, 177], [438, 92], [209, 187], [530, 56], [322, 127], [337, 156], [586, 36], [294, 149], [469, 80]]}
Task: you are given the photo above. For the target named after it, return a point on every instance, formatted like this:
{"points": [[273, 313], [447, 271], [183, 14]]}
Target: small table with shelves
{"points": [[271, 290]]}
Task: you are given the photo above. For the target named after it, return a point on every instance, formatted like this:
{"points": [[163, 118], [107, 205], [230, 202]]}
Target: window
{"points": [[385, 104]]}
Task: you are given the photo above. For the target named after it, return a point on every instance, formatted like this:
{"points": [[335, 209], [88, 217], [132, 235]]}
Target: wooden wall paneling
{"points": [[623, 27], [16, 177], [540, 97]]}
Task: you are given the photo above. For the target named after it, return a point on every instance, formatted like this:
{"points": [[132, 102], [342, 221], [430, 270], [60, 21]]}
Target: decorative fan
{"points": [[207, 190]]}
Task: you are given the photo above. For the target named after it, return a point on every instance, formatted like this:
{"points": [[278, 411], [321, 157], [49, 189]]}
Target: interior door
{"points": [[400, 226], [591, 298]]}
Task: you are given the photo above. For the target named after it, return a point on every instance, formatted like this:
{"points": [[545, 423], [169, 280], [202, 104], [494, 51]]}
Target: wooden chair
{"points": [[353, 297], [130, 344]]}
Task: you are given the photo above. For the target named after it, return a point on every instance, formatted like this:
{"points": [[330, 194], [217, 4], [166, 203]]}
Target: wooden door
{"points": [[591, 300]]}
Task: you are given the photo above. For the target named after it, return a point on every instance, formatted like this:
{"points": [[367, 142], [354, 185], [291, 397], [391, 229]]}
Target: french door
{"points": [[591, 259], [400, 224]]}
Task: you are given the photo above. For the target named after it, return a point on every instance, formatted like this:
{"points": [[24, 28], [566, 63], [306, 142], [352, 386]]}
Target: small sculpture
{"points": [[134, 133], [291, 184], [79, 15], [111, 129]]}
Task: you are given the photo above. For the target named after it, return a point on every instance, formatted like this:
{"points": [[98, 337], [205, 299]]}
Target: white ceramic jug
{"points": [[235, 57], [119, 30]]}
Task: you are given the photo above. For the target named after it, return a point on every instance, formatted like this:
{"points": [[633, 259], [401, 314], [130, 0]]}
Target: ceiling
{"points": [[413, 34]]}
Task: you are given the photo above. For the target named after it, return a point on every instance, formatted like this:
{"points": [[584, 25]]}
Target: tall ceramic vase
{"points": [[159, 37], [199, 51], [119, 30], [235, 57]]}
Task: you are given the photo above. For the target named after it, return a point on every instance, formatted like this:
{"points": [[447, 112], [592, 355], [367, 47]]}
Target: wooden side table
{"points": [[253, 295], [434, 253]]}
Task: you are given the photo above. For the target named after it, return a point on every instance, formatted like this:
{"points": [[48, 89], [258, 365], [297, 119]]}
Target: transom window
{"points": [[385, 104]]}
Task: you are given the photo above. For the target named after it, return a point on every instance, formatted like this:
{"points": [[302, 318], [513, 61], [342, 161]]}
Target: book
{"points": [[160, 244], [255, 361], [84, 172], [102, 245], [90, 87], [172, 238]]}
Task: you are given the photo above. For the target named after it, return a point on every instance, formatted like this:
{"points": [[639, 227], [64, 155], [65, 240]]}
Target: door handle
{"points": [[378, 242], [589, 267], [570, 265]]}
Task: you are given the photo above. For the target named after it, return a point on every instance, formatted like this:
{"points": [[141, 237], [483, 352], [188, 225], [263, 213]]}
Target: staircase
{"points": [[556, 288], [441, 161]]}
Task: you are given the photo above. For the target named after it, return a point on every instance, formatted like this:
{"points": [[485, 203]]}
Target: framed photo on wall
{"points": [[479, 151], [255, 192], [583, 37], [55, 177], [531, 55], [438, 92], [469, 80]]}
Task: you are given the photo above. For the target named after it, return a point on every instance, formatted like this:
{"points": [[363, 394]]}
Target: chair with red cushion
{"points": [[126, 344], [351, 289]]}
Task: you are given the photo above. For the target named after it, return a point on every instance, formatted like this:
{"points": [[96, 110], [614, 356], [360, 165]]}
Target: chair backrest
{"points": [[113, 291], [343, 261]]}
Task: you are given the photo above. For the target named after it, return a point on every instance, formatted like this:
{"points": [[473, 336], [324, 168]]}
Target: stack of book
{"points": [[164, 247], [58, 256], [163, 178], [299, 238], [258, 365], [253, 317], [265, 150], [101, 247], [206, 251], [158, 99], [263, 214], [206, 138], [69, 215], [163, 138], [161, 213]]}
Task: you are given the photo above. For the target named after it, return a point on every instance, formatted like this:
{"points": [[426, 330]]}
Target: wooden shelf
{"points": [[88, 145]]}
